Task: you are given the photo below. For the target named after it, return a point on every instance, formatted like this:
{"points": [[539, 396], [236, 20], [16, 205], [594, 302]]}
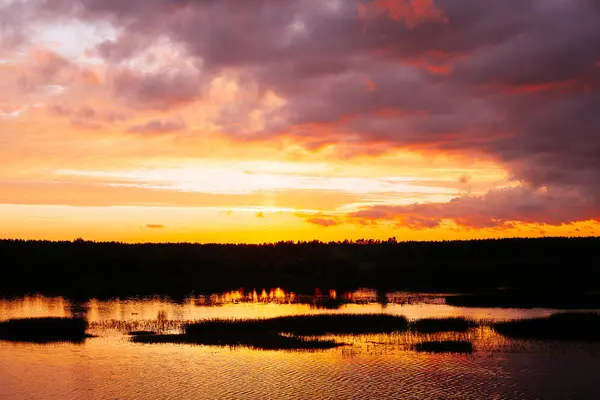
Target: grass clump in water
{"points": [[435, 325], [445, 346], [350, 324], [262, 341], [562, 326], [307, 325], [44, 330], [288, 332]]}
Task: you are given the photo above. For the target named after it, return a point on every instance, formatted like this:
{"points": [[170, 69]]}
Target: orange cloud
{"points": [[155, 226], [541, 87], [325, 222], [411, 12], [90, 77], [439, 69], [371, 87], [436, 62]]}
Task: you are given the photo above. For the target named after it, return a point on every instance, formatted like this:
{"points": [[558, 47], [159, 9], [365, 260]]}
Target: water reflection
{"points": [[372, 366], [34, 306], [254, 304]]}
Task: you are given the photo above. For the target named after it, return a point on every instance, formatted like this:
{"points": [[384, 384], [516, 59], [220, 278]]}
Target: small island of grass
{"points": [[436, 325], [562, 326], [44, 330]]}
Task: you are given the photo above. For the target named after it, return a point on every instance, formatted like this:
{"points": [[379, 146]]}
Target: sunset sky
{"points": [[265, 120]]}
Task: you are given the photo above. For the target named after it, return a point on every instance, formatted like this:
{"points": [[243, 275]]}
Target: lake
{"points": [[376, 366]]}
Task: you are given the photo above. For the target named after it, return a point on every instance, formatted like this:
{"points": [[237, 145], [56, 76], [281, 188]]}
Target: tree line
{"points": [[83, 268]]}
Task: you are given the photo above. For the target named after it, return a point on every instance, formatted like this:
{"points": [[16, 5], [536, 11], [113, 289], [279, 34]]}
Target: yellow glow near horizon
{"points": [[213, 225]]}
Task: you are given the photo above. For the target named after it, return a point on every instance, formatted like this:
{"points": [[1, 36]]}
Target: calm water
{"points": [[109, 366]]}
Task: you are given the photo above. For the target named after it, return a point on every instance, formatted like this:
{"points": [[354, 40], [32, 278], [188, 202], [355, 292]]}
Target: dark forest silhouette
{"points": [[105, 269]]}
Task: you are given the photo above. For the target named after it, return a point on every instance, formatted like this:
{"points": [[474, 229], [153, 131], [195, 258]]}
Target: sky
{"points": [[266, 120]]}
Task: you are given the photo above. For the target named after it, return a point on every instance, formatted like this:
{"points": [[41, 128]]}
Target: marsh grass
{"points": [[256, 340], [436, 325], [126, 326], [561, 326], [445, 346], [307, 325], [293, 332], [44, 330], [288, 332], [432, 334]]}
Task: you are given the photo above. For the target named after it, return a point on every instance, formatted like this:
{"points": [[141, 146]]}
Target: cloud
{"points": [[157, 90], [14, 18], [85, 114], [499, 209], [410, 12], [516, 82], [158, 127], [58, 109], [85, 124], [325, 222], [46, 69], [155, 226], [320, 219]]}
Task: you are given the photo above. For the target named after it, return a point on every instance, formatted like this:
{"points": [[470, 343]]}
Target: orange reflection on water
{"points": [[276, 295], [34, 306], [255, 304]]}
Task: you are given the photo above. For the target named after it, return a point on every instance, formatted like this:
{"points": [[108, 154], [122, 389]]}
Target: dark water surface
{"points": [[109, 366]]}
